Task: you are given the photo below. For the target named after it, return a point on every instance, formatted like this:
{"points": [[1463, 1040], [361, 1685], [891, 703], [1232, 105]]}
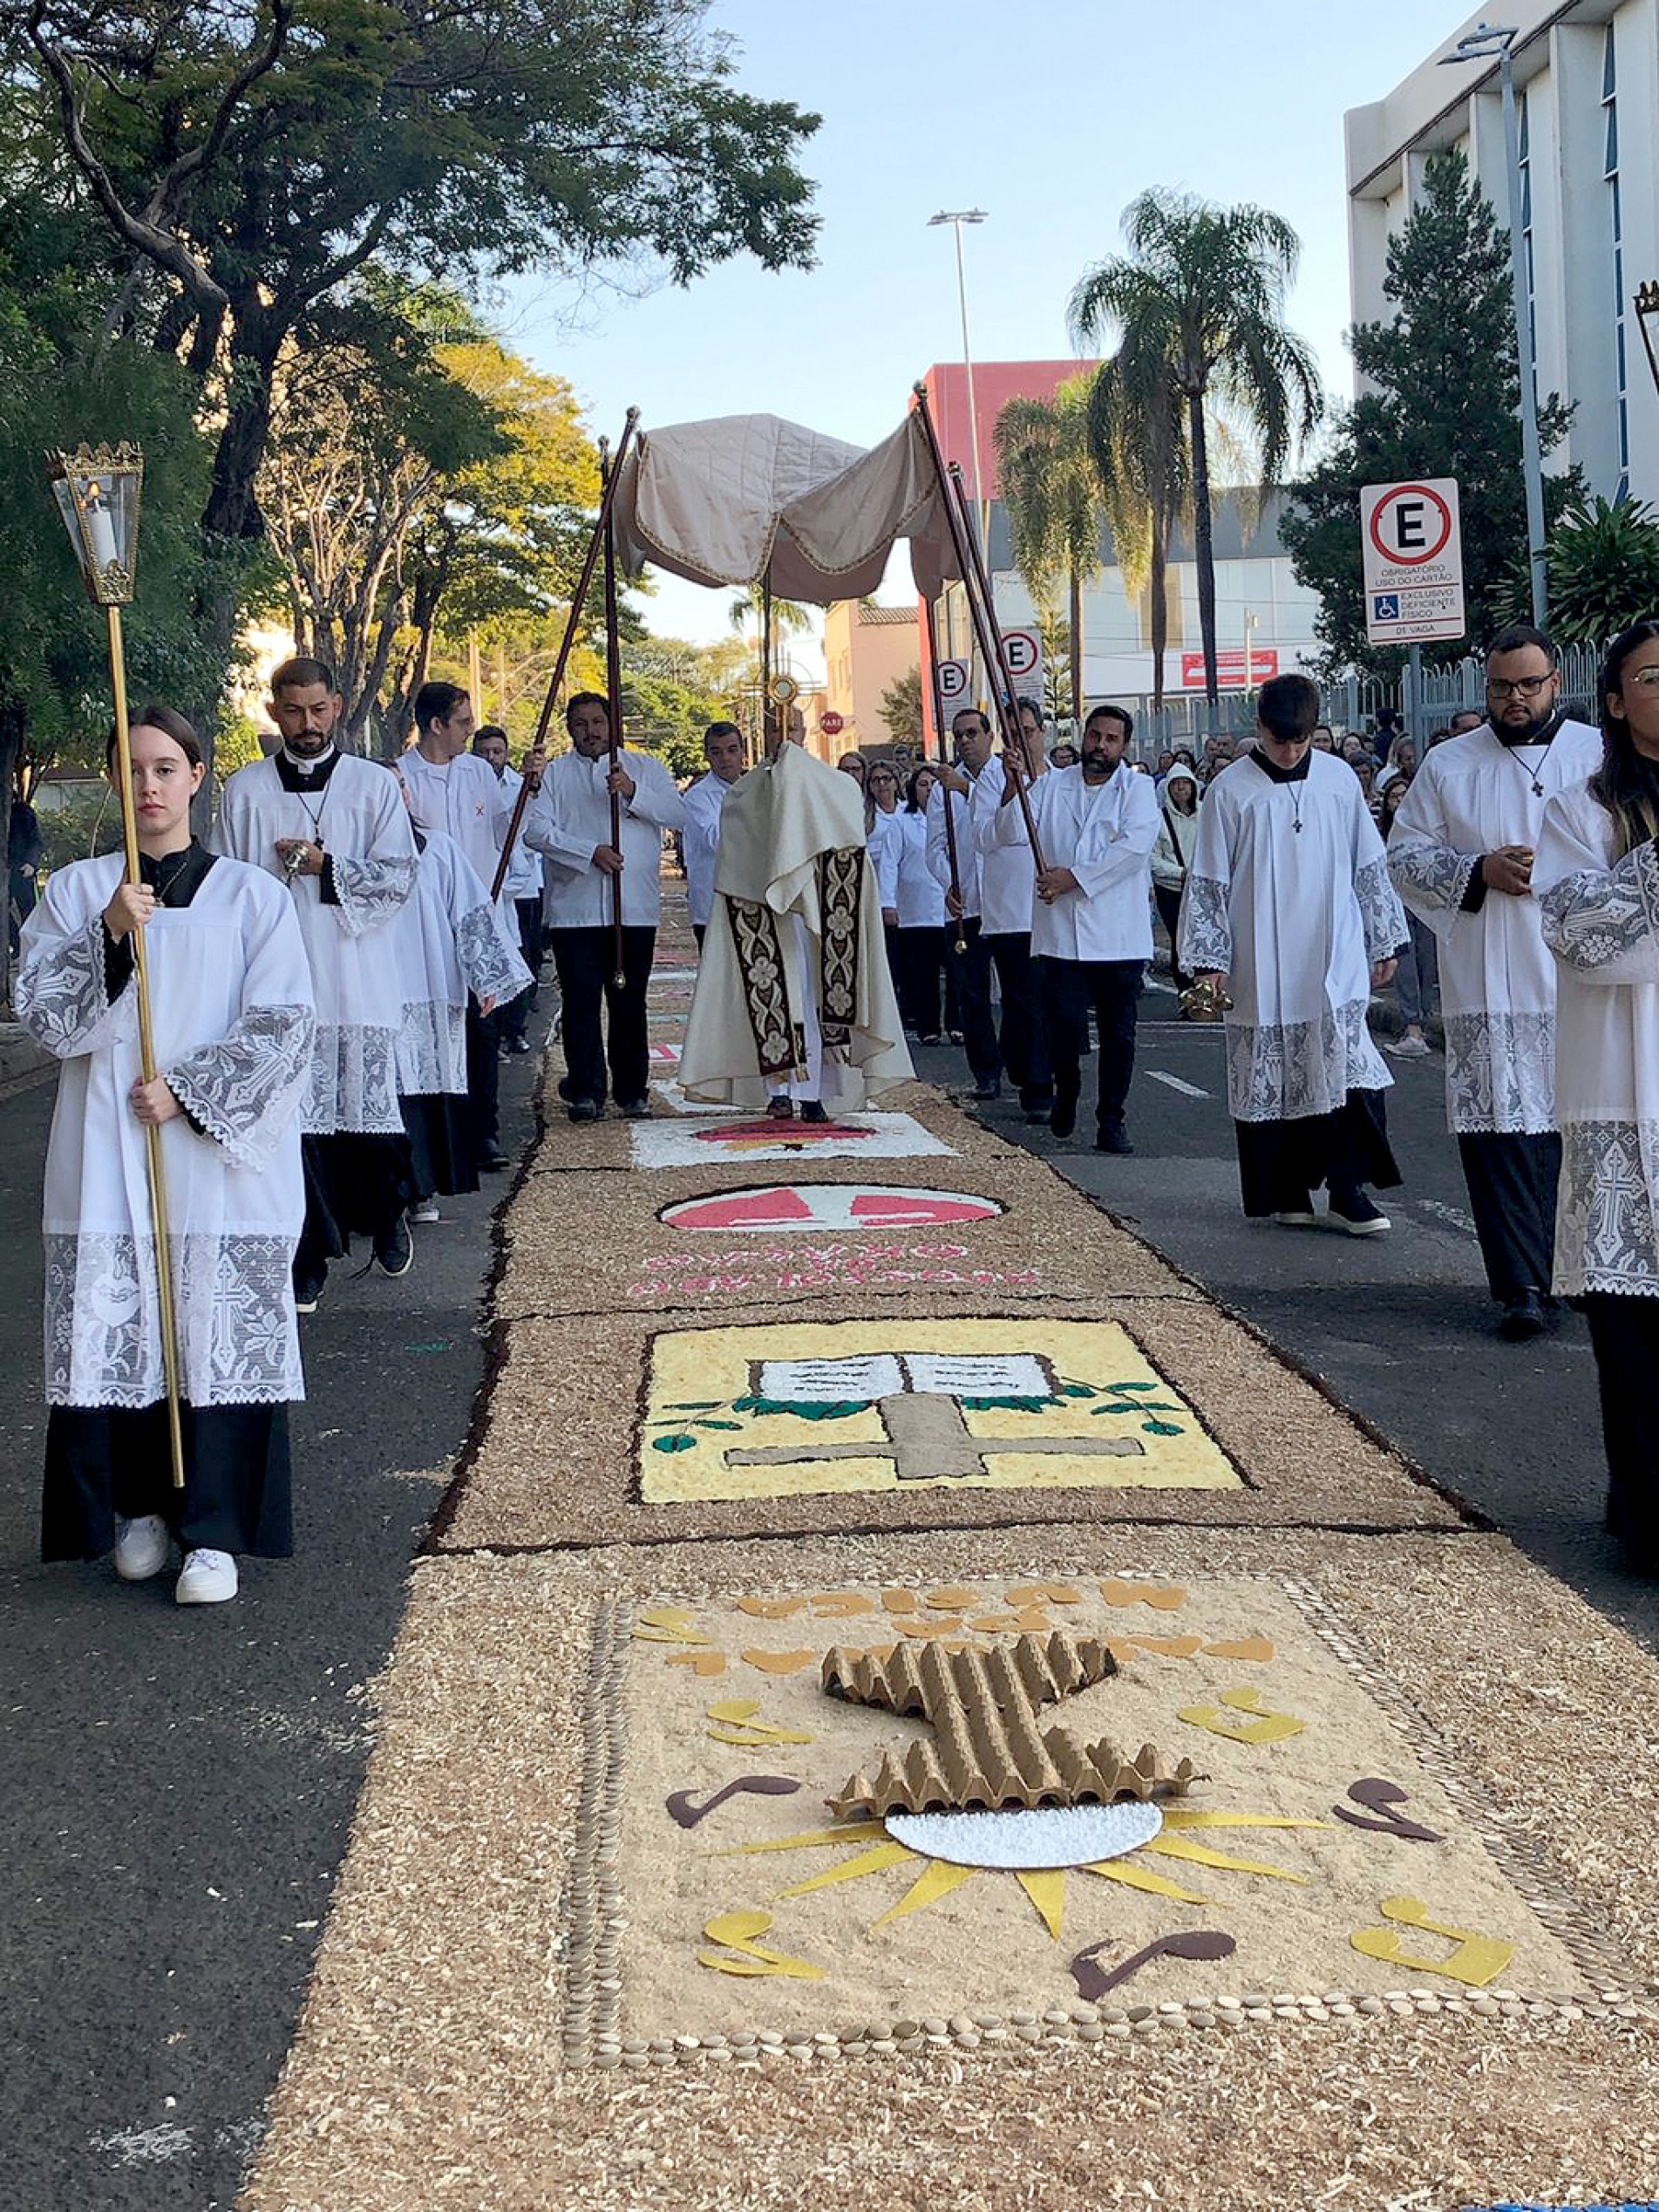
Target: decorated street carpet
{"points": [[887, 1618]]}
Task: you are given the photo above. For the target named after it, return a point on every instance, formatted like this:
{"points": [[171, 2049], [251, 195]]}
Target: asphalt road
{"points": [[179, 1786], [1401, 1328]]}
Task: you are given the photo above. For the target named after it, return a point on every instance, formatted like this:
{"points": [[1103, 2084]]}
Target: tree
{"points": [[1443, 400], [1138, 443], [1603, 572], [249, 163], [1052, 491], [1200, 297], [901, 710]]}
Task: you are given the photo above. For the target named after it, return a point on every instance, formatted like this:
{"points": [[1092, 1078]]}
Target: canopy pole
{"points": [[614, 687], [947, 794], [977, 584], [578, 602], [771, 724]]}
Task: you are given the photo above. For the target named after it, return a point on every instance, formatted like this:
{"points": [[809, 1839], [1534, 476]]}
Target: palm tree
{"points": [[1138, 443], [1202, 290], [1053, 498]]}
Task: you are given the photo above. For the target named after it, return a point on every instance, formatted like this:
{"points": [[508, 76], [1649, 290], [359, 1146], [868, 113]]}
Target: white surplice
{"points": [[1295, 917], [1105, 833], [463, 799], [794, 948], [359, 819], [1600, 921], [231, 1004], [569, 818], [450, 942], [1472, 796]]}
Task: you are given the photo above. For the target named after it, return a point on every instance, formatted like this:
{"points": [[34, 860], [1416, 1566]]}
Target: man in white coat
{"points": [[569, 821], [335, 829], [1461, 858], [1007, 893], [952, 801], [705, 801], [1092, 928], [1288, 911]]}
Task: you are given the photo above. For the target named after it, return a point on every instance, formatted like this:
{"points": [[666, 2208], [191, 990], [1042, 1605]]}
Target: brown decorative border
{"points": [[761, 963], [596, 1917], [840, 894]]}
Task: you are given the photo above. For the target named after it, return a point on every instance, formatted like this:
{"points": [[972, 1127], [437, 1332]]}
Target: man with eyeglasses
{"points": [[1461, 858]]}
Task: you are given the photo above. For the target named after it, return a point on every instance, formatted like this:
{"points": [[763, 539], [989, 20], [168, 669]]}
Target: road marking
{"points": [[1453, 1215], [1187, 1090]]}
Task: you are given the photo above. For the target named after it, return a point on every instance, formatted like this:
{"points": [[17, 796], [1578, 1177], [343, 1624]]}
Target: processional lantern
{"points": [[99, 490]]}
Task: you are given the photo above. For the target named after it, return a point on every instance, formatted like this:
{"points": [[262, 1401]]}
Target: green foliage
{"points": [[1603, 572], [901, 710], [669, 718], [1445, 401], [1197, 308]]}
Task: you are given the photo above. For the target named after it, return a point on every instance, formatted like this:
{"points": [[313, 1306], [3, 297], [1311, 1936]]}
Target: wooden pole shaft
{"points": [[154, 1164], [977, 588], [614, 688], [578, 602], [947, 794]]}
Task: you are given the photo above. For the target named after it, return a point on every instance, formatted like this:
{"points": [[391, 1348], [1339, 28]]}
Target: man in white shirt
{"points": [[723, 750], [1092, 927], [455, 793], [971, 733], [522, 889], [569, 820], [1008, 891]]}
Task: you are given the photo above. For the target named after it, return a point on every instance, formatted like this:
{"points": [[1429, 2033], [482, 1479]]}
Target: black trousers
{"points": [[1512, 1192], [354, 1185], [1111, 989], [484, 1076], [516, 1015], [1624, 1335], [103, 1461], [585, 960], [922, 954], [1025, 1042], [1168, 902], [972, 970], [1283, 1163]]}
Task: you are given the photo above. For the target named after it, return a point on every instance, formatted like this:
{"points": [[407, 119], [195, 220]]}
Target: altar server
{"points": [[1461, 858], [569, 821], [233, 1021], [1289, 912], [1596, 878], [971, 736], [1091, 933], [723, 748], [452, 952], [521, 891], [334, 827]]}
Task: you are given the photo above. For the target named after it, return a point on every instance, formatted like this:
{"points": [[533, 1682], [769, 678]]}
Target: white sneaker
{"points": [[1407, 1048], [206, 1578], [427, 1212], [141, 1548]]}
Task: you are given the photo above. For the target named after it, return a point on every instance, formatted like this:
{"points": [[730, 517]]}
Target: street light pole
{"points": [[1485, 41], [956, 219]]}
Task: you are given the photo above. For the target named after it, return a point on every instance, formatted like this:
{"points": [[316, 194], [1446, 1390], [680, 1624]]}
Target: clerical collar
{"points": [[176, 877], [1513, 739], [304, 775], [1274, 773]]}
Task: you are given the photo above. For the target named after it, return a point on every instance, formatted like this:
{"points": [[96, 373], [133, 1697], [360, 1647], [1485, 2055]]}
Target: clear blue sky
{"points": [[1051, 115]]}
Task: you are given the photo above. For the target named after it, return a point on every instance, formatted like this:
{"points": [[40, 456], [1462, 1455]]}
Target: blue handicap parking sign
{"points": [[1385, 607]]}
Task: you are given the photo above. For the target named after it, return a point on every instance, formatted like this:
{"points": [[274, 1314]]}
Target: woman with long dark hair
{"points": [[924, 972], [1596, 877]]}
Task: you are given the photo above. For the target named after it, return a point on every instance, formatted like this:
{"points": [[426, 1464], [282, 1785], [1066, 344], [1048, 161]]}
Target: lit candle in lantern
{"points": [[101, 525]]}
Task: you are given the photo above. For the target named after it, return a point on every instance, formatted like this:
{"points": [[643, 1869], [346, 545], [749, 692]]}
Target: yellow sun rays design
{"points": [[1045, 1887]]}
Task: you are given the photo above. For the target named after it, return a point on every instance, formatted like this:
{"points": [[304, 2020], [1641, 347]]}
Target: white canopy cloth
{"points": [[747, 499]]}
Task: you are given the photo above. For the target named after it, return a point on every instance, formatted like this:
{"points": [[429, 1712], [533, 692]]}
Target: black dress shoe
{"points": [[494, 1161], [1063, 1116], [1113, 1141], [1523, 1318], [814, 1110], [585, 1109], [633, 1109]]}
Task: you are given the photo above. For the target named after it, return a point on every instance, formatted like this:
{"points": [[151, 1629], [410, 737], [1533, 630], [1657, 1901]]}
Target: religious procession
{"points": [[845, 1390]]}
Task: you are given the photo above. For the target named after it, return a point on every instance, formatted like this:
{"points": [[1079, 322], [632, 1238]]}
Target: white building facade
{"points": [[1586, 78]]}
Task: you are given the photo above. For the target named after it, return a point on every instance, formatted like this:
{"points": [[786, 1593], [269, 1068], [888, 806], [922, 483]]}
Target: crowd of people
{"points": [[340, 966]]}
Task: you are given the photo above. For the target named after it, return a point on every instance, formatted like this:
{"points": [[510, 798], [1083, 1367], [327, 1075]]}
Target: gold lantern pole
{"points": [[98, 490]]}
